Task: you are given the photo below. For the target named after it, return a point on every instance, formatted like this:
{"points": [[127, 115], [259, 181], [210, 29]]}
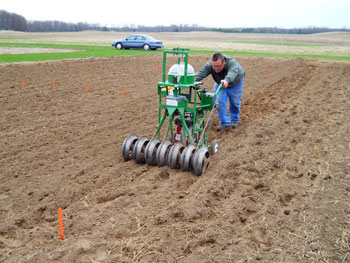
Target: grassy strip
{"points": [[243, 53], [281, 43], [83, 51], [89, 51], [44, 45]]}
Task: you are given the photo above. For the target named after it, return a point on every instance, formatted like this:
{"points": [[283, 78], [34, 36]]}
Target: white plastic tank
{"points": [[176, 74], [179, 70]]}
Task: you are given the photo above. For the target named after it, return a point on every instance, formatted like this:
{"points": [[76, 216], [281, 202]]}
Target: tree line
{"points": [[12, 21]]}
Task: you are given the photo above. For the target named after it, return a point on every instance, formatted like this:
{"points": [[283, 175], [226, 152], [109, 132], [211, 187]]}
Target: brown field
{"points": [[277, 191]]}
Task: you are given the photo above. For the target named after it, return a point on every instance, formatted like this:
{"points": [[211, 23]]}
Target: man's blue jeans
{"points": [[234, 95]]}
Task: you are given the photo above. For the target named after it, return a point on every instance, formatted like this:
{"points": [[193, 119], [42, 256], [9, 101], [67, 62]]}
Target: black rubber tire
{"points": [[119, 46]]}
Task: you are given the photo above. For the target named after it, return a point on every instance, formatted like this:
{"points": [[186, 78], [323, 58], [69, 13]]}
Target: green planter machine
{"points": [[182, 141]]}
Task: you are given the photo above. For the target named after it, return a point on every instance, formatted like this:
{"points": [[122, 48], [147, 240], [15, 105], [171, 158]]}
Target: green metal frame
{"points": [[191, 91]]}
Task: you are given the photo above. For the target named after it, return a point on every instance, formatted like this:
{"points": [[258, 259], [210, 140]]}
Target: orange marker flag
{"points": [[70, 64], [112, 66], [134, 67], [248, 62], [266, 73], [158, 68], [60, 222], [53, 84], [87, 87], [22, 83], [124, 90]]}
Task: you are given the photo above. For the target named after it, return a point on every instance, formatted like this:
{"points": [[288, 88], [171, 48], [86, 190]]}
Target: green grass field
{"points": [[83, 51], [281, 43], [244, 53], [89, 51]]}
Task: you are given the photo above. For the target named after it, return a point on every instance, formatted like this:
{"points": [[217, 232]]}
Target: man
{"points": [[229, 72]]}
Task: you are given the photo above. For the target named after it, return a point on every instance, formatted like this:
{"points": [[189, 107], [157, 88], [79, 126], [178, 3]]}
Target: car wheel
{"points": [[146, 47], [119, 46]]}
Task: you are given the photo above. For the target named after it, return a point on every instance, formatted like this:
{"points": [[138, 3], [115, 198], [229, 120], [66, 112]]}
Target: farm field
{"points": [[277, 191], [341, 39], [327, 46]]}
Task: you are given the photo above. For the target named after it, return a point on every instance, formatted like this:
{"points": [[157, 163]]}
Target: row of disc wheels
{"points": [[155, 152]]}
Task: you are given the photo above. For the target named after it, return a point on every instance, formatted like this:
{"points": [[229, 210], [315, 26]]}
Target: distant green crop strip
{"points": [[282, 43], [250, 53], [82, 51], [89, 51]]}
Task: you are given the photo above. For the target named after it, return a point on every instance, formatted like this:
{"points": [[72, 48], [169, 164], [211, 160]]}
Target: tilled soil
{"points": [[277, 191]]}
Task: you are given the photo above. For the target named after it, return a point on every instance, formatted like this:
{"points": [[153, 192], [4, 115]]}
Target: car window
{"points": [[131, 38], [140, 38]]}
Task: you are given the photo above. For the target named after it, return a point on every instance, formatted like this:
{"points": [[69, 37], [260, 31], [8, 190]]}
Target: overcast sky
{"points": [[224, 13]]}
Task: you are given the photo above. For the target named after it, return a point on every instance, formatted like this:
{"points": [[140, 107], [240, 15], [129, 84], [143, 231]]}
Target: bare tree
{"points": [[11, 21]]}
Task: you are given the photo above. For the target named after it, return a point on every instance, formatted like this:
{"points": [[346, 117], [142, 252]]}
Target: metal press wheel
{"points": [[162, 153], [174, 155], [201, 160], [151, 151], [214, 147], [128, 147], [138, 152], [186, 156]]}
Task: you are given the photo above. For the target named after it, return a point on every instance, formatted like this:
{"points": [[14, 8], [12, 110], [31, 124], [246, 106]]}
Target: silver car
{"points": [[138, 41]]}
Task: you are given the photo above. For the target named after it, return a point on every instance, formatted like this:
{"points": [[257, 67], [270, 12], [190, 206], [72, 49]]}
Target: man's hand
{"points": [[225, 83]]}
